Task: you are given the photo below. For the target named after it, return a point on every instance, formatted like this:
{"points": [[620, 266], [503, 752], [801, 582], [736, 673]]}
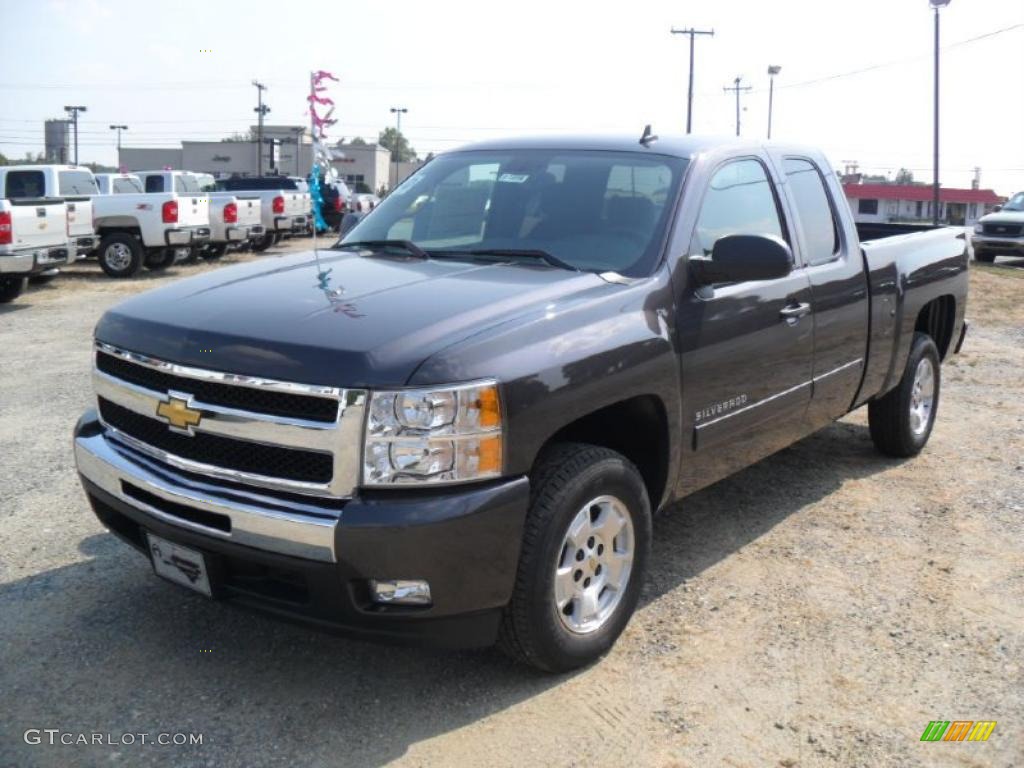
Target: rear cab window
{"points": [[126, 186], [814, 210], [25, 184], [186, 185], [155, 183]]}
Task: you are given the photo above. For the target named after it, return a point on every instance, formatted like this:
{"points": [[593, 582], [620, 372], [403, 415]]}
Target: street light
{"points": [[773, 70], [936, 5], [397, 112], [73, 111], [119, 128]]}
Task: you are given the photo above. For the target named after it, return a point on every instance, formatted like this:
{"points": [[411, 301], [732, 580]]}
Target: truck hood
{"points": [[1003, 217], [356, 321]]}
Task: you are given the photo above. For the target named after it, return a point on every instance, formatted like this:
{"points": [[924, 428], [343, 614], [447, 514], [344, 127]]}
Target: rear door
{"points": [[746, 348], [838, 288], [77, 187]]}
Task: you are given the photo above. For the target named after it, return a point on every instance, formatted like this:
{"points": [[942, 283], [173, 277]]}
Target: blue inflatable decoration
{"points": [[317, 196]]}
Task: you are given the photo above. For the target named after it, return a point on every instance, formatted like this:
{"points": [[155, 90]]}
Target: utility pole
{"points": [[773, 70], [73, 111], [119, 128], [738, 89], [397, 112], [936, 5], [298, 146], [261, 110], [689, 94]]}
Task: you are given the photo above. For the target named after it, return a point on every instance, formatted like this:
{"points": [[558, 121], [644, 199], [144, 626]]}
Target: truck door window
{"points": [[739, 201], [821, 233], [126, 186], [76, 183], [25, 184], [154, 183]]}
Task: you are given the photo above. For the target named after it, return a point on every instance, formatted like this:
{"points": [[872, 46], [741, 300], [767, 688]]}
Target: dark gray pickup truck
{"points": [[454, 425]]}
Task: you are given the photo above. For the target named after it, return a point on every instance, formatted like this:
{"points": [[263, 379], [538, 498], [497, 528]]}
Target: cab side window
{"points": [[739, 201], [812, 204]]}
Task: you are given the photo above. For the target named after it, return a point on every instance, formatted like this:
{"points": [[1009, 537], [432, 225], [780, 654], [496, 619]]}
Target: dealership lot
{"points": [[818, 608]]}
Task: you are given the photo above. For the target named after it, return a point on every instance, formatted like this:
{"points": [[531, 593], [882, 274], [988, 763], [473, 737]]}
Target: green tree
{"points": [[397, 144], [358, 141], [4, 160], [903, 176], [249, 135]]}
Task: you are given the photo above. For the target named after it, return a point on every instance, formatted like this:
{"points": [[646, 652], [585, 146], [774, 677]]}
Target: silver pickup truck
{"points": [[1001, 232]]}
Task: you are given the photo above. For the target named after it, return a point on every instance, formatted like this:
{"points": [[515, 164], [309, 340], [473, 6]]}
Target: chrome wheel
{"points": [[594, 564], [118, 256], [922, 396]]}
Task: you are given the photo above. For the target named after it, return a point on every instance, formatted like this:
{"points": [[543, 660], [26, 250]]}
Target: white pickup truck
{"points": [[148, 227], [33, 239], [284, 206], [72, 183], [235, 218]]}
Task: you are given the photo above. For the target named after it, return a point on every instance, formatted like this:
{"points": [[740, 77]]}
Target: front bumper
{"points": [[311, 559], [33, 261], [187, 236], [1000, 244]]}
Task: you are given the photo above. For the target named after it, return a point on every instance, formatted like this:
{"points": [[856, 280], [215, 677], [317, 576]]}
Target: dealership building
{"points": [[287, 150]]}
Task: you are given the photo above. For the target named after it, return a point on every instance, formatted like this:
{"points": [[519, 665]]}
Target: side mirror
{"points": [[739, 258], [996, 208]]}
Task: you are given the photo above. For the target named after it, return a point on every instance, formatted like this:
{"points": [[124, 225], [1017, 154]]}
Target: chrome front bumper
{"points": [[270, 523]]}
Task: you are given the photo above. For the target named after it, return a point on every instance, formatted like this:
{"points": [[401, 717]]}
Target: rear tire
{"points": [[11, 288], [214, 251], [588, 527], [986, 257], [262, 243], [901, 422], [159, 260], [120, 255]]}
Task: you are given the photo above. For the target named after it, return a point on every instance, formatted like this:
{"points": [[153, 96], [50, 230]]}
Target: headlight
{"points": [[436, 435], [979, 228]]}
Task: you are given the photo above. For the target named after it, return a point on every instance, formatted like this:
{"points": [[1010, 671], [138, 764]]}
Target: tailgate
{"points": [[79, 215], [295, 204], [39, 224], [249, 209], [193, 211]]}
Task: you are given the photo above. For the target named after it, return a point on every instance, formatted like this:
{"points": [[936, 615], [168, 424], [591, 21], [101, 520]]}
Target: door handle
{"points": [[795, 311]]}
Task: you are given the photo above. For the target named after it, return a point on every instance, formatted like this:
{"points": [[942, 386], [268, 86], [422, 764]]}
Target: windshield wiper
{"points": [[525, 253], [405, 245]]}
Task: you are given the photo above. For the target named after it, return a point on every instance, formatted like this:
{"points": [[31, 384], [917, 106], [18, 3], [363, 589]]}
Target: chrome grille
{"points": [[260, 432], [1002, 230]]}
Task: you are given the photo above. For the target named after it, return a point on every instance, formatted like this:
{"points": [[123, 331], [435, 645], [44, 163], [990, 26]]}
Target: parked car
{"points": [[150, 227], [1001, 232], [33, 240], [336, 196], [284, 207], [73, 184], [456, 426], [234, 219], [118, 183]]}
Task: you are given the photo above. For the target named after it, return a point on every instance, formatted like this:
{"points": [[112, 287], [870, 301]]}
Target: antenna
{"points": [[647, 138]]}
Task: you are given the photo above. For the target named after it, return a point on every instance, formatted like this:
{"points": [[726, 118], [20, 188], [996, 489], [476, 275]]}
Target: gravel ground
{"points": [[818, 608]]}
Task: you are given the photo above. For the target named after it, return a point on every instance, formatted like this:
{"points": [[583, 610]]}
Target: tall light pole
{"points": [[397, 112], [773, 70], [119, 128], [738, 89], [936, 5], [261, 110], [689, 93], [73, 111]]}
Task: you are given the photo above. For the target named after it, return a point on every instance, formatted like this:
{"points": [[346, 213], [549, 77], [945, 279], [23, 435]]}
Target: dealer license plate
{"points": [[179, 564]]}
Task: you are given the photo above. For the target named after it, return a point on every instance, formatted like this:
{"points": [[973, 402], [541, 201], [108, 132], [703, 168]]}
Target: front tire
{"points": [[214, 251], [901, 422], [11, 288], [159, 260], [261, 244], [586, 542], [120, 255], [986, 257]]}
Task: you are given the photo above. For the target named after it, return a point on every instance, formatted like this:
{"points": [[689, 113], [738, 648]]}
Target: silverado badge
{"points": [[179, 416]]}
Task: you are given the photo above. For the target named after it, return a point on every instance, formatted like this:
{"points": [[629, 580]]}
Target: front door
{"points": [[747, 348]]}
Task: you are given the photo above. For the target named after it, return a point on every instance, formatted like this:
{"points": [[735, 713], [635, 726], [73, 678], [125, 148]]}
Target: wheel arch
{"points": [[937, 319]]}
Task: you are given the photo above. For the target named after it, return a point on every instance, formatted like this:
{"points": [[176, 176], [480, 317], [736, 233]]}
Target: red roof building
{"points": [[913, 203]]}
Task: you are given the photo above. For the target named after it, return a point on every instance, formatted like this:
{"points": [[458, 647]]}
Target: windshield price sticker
{"points": [[513, 178]]}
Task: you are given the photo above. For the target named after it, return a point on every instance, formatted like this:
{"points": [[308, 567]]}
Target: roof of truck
{"points": [[677, 146]]}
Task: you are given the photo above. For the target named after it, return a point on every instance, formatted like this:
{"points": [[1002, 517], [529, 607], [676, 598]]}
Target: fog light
{"points": [[400, 591]]}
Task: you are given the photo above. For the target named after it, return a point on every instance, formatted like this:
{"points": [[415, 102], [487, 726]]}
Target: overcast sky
{"points": [[469, 70]]}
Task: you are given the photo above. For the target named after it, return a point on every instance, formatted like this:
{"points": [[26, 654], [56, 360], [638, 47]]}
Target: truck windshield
{"points": [[599, 211], [1015, 203]]}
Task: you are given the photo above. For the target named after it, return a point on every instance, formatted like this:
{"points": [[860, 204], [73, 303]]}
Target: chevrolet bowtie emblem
{"points": [[179, 416]]}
